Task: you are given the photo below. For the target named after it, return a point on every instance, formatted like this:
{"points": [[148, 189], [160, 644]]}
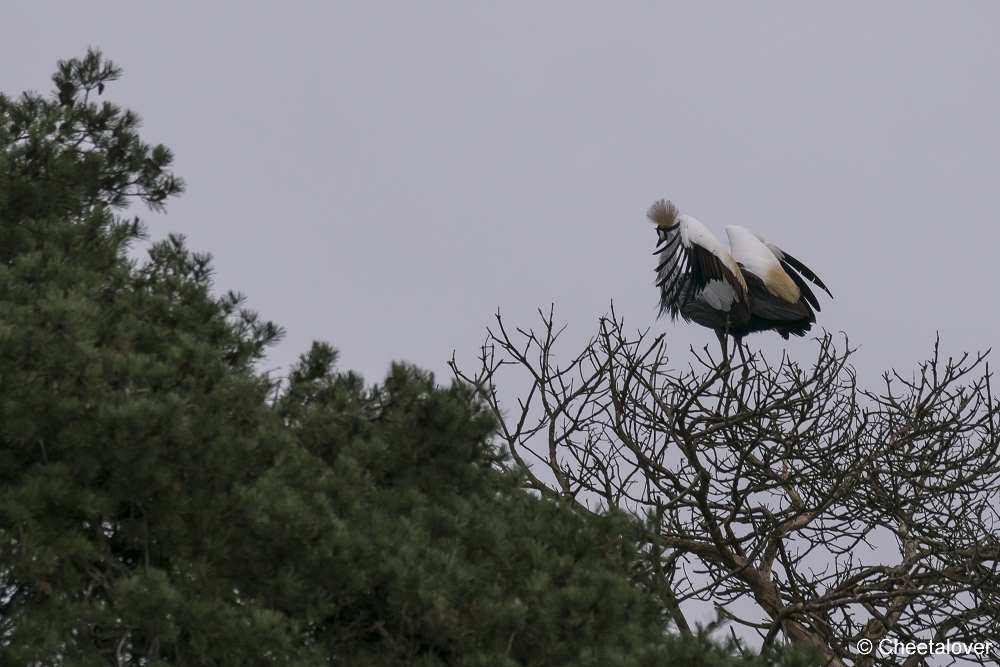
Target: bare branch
{"points": [[841, 513]]}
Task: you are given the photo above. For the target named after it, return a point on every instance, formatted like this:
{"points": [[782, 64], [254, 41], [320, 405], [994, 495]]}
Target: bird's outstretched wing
{"points": [[797, 271], [692, 260]]}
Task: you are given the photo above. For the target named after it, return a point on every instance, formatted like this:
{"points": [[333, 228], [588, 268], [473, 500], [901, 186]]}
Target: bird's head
{"points": [[663, 213]]}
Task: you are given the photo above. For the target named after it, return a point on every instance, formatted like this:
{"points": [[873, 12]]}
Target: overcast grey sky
{"points": [[385, 176]]}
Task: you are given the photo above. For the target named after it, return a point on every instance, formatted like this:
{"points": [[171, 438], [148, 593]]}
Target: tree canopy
{"points": [[806, 508], [162, 501]]}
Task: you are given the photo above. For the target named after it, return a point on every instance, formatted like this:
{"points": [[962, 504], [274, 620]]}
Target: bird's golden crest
{"points": [[663, 213]]}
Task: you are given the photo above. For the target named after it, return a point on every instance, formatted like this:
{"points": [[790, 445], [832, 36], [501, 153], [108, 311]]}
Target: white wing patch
{"points": [[695, 233], [719, 295], [761, 261]]}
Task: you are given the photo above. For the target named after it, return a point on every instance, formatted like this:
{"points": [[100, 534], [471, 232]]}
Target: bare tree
{"points": [[838, 514]]}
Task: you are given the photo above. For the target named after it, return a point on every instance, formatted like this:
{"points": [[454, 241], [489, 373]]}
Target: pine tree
{"points": [[161, 502], [129, 415], [440, 559]]}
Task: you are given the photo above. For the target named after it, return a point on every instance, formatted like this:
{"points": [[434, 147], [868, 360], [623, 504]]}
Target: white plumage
{"points": [[693, 233], [753, 256], [719, 295]]}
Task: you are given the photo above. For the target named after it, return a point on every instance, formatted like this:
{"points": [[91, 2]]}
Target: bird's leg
{"points": [[743, 359], [723, 342], [727, 334], [726, 368]]}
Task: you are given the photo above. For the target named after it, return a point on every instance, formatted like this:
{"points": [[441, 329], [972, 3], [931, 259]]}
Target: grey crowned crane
{"points": [[754, 287]]}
